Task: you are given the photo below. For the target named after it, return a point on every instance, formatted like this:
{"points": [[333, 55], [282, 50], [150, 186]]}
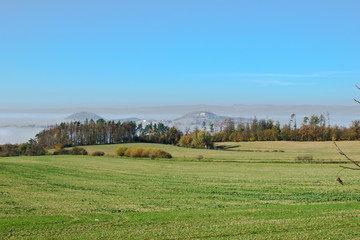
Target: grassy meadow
{"points": [[280, 151], [85, 197]]}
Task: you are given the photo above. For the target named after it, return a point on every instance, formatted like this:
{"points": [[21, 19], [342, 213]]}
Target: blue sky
{"points": [[147, 53]]}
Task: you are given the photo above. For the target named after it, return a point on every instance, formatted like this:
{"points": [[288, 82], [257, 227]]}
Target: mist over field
{"points": [[21, 125]]}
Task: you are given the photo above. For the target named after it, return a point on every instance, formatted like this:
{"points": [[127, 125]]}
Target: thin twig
{"points": [[342, 153], [359, 89], [339, 171], [347, 168]]}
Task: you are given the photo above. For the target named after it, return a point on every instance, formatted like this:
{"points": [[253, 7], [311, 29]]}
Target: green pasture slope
{"points": [[264, 151], [85, 197]]}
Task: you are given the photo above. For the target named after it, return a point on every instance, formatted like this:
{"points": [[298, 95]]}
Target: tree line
{"points": [[106, 132], [314, 128], [31, 148]]}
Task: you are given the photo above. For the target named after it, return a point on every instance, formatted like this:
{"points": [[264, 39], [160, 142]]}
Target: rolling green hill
{"points": [[85, 197], [264, 151]]}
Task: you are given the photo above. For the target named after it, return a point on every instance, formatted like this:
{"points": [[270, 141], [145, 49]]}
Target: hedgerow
{"points": [[142, 152]]}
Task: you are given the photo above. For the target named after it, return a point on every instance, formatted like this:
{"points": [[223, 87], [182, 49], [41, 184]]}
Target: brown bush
{"points": [[121, 151], [146, 153], [134, 152], [162, 154], [78, 151], [25, 149], [62, 152], [34, 150], [98, 153], [304, 158], [199, 157]]}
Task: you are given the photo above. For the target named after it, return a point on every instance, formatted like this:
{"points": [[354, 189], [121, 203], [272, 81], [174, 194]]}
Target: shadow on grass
{"points": [[227, 147]]}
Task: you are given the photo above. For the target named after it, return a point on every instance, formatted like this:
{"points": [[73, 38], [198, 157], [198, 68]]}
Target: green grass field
{"points": [[264, 151], [85, 197]]}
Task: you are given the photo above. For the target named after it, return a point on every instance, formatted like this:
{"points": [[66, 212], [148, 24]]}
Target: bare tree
{"points": [[342, 153]]}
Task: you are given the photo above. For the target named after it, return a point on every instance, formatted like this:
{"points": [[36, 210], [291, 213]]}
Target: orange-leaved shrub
{"points": [[143, 152], [121, 151], [59, 146]]}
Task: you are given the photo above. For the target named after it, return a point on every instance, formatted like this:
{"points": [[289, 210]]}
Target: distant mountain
{"points": [[82, 116], [236, 109], [199, 117], [131, 119], [196, 119]]}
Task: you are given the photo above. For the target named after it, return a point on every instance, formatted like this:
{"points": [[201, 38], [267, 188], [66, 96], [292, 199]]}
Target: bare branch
{"points": [[359, 89], [349, 168], [342, 153]]}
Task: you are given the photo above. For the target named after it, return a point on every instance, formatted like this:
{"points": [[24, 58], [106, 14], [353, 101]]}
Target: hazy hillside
{"points": [[82, 116], [236, 109], [19, 125], [197, 119]]}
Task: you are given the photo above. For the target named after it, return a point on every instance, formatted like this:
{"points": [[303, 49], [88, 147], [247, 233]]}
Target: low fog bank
{"points": [[19, 128], [17, 134]]}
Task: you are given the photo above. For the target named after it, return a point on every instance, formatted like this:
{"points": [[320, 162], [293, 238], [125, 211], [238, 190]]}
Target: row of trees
{"points": [[87, 133], [158, 133], [30, 148], [314, 128], [106, 132], [196, 139]]}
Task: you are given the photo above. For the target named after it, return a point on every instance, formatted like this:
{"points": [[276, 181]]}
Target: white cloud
{"points": [[279, 75], [274, 82], [279, 79]]}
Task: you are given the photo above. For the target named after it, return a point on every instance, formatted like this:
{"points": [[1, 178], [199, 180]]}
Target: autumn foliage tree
{"points": [[313, 128], [106, 132]]}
